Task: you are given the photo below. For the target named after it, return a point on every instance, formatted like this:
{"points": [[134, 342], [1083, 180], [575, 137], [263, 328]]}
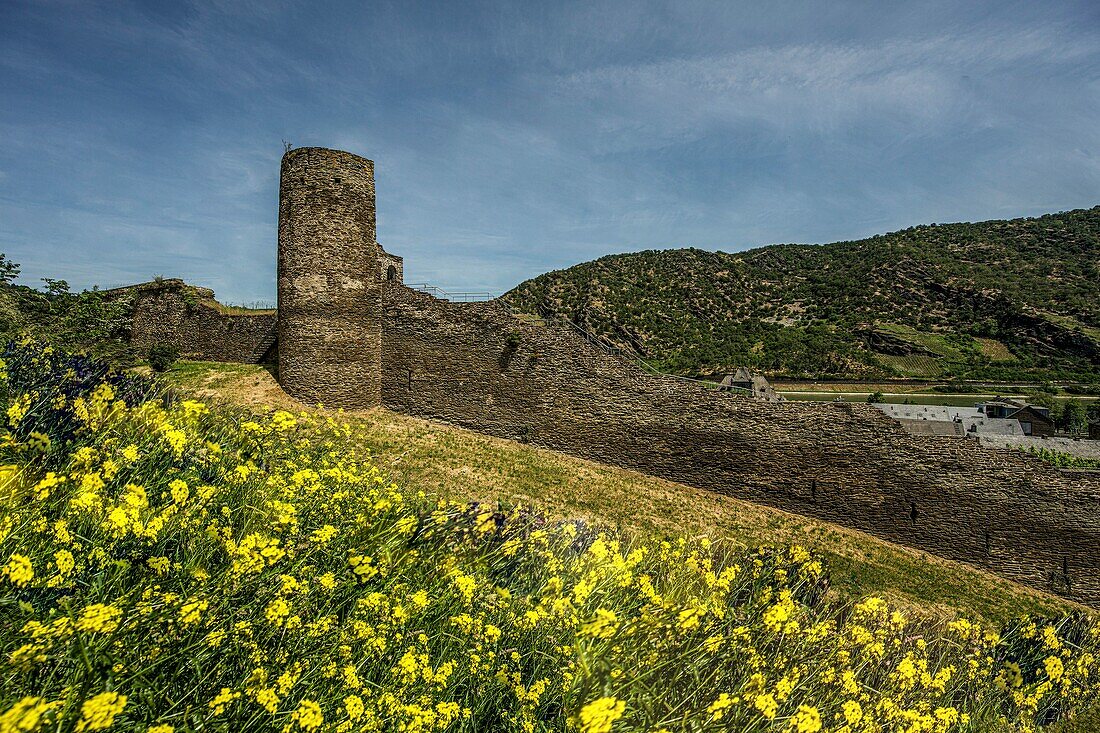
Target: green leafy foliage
{"points": [[162, 357], [1064, 460], [1011, 300], [90, 321], [9, 270]]}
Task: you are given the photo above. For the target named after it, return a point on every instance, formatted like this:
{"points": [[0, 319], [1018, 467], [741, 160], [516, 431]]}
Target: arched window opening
{"points": [[391, 273]]}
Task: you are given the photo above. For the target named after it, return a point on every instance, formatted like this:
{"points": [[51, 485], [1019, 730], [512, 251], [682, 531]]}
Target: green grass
{"points": [[461, 464]]}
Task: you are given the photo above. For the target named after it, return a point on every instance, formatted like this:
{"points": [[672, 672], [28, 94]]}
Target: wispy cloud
{"points": [[824, 88], [511, 139]]}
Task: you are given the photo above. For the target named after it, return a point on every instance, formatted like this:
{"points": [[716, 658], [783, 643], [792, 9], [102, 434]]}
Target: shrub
{"points": [[162, 357]]}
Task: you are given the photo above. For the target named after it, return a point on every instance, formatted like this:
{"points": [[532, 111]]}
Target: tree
{"points": [[56, 287], [9, 270], [1073, 417], [876, 397]]}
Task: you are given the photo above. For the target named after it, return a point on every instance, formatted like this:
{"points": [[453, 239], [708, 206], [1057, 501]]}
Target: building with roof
{"points": [[950, 421], [743, 379], [1034, 419]]}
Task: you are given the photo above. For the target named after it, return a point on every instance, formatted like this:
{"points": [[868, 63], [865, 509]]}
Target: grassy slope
{"points": [[457, 463], [911, 303]]}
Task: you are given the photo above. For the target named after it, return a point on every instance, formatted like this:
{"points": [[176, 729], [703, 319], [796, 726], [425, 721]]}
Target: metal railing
{"points": [[596, 340], [436, 292]]}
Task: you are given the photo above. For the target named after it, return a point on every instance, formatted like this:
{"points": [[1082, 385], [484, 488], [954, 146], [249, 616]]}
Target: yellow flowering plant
{"points": [[176, 566]]}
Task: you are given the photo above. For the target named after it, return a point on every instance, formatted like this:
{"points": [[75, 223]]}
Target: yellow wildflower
{"points": [[852, 711], [99, 618], [362, 566], [191, 613], [277, 611], [308, 716], [767, 705], [99, 712], [690, 618], [179, 491], [42, 488], [222, 699], [465, 585], [718, 707], [354, 707], [603, 626], [26, 715], [39, 442], [1054, 668], [268, 699], [19, 570], [18, 409], [599, 715], [806, 720], [64, 561]]}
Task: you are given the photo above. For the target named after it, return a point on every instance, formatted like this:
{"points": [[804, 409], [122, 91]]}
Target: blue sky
{"points": [[515, 138]]}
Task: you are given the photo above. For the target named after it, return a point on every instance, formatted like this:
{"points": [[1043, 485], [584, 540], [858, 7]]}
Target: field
{"points": [[913, 391], [994, 350], [171, 564], [913, 365]]}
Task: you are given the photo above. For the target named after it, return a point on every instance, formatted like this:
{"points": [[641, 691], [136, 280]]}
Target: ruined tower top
{"points": [[329, 286]]}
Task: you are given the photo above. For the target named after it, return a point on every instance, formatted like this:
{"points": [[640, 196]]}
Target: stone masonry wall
{"points": [[385, 262], [170, 312], [476, 366], [329, 286]]}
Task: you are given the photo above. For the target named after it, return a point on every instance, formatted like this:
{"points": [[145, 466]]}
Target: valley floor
{"points": [[441, 459]]}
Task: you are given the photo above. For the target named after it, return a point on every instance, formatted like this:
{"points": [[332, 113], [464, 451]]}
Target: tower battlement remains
{"points": [[330, 281]]}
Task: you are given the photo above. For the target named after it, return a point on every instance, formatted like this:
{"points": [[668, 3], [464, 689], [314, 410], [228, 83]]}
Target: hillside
{"points": [[467, 466], [1012, 300]]}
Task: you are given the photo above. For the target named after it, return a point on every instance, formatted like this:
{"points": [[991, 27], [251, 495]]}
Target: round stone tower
{"points": [[330, 293]]}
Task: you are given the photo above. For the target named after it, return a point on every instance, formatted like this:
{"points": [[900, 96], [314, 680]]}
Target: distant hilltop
{"points": [[997, 300]]}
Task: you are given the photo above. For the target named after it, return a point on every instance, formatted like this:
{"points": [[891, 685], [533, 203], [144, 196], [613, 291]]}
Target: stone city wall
{"points": [[171, 312], [477, 366]]}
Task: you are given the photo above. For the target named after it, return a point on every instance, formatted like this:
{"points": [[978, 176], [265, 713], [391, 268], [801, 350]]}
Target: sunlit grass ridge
{"points": [[168, 566]]}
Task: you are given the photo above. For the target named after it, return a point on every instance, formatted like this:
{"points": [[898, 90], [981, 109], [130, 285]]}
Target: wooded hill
{"points": [[999, 300]]}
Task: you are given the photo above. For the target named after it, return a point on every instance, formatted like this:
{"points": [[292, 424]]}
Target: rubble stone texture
{"points": [[330, 295], [171, 312]]}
